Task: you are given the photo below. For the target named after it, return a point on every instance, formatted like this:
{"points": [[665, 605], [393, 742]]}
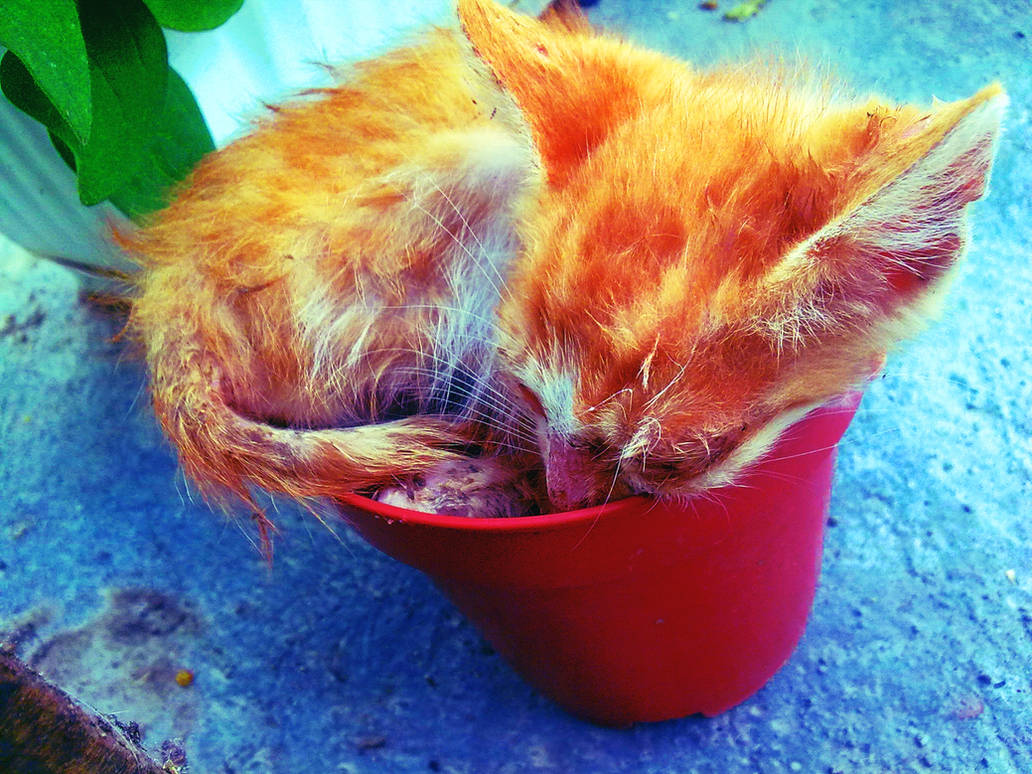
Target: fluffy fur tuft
{"points": [[528, 238]]}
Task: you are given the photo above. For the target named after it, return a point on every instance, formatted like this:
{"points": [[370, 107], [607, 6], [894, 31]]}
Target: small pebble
{"points": [[371, 742], [969, 708]]}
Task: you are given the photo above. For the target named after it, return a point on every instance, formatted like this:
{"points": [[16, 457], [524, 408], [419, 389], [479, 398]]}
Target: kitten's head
{"points": [[713, 253]]}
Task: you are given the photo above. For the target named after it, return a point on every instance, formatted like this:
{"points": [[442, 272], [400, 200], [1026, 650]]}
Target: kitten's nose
{"points": [[574, 479], [568, 488]]}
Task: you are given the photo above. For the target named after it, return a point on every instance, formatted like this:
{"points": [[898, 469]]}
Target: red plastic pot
{"points": [[640, 610]]}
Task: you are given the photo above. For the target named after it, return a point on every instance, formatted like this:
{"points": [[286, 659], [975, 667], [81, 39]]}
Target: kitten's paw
{"points": [[478, 488]]}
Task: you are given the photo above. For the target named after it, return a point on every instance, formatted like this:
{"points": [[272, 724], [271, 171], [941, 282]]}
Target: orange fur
{"points": [[531, 236]]}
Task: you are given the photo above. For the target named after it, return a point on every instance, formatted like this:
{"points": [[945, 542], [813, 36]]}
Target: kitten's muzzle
{"points": [[577, 478]]}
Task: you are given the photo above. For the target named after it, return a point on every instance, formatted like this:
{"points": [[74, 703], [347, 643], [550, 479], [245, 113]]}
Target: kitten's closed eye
{"points": [[676, 468]]}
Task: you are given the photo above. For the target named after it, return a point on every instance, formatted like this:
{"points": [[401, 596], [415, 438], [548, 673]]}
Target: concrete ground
{"points": [[918, 655]]}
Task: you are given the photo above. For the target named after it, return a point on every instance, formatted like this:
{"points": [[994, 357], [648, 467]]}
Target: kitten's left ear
{"points": [[554, 76], [900, 230]]}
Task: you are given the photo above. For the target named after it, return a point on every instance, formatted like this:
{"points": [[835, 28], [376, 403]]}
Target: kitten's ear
{"points": [[568, 86], [898, 233]]}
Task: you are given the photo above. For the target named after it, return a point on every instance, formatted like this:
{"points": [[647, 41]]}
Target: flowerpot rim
{"points": [[497, 524], [550, 521]]}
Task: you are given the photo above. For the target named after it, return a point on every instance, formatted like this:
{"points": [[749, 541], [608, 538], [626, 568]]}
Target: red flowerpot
{"points": [[640, 610]]}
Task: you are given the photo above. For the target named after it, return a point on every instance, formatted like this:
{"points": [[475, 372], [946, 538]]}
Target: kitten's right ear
{"points": [[875, 269]]}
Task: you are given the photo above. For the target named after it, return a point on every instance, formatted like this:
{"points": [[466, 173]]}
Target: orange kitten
{"points": [[528, 235]]}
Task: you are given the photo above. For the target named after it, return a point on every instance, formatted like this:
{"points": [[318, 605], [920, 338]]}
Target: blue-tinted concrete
{"points": [[918, 657]]}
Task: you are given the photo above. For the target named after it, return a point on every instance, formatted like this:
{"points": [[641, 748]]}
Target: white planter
{"points": [[39, 206]]}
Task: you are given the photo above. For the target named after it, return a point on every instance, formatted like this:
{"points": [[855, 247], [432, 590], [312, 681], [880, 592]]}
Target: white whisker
{"points": [[500, 287], [469, 253]]}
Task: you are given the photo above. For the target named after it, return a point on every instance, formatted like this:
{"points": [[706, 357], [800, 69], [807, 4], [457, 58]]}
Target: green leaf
{"points": [[744, 10], [128, 77], [183, 139], [193, 15], [146, 131], [63, 150], [45, 36], [21, 89], [97, 163], [128, 64], [180, 140]]}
